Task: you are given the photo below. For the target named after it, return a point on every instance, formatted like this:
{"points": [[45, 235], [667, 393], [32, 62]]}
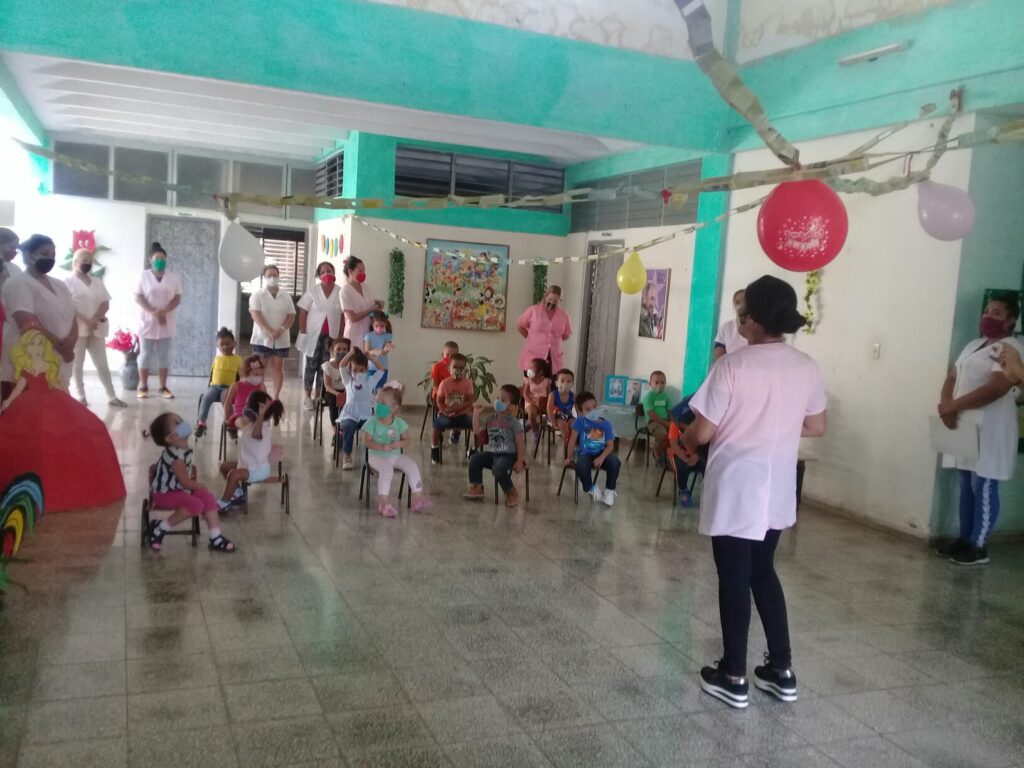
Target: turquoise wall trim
{"points": [[991, 258], [370, 172], [705, 286]]}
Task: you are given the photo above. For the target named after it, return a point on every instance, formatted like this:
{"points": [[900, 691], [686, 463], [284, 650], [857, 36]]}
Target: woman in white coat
{"points": [[319, 323], [978, 395], [272, 313], [91, 305]]}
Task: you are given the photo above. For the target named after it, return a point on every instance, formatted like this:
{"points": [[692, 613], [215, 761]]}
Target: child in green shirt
{"points": [[656, 407], [386, 434]]}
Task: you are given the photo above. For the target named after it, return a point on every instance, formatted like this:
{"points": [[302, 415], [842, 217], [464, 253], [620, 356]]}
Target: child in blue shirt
{"points": [[595, 440], [377, 343], [359, 389]]}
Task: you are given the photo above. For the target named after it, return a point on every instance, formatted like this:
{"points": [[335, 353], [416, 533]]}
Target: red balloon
{"points": [[802, 225]]}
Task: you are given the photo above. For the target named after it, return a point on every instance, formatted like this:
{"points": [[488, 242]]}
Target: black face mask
{"points": [[44, 265], [551, 306], [85, 268]]}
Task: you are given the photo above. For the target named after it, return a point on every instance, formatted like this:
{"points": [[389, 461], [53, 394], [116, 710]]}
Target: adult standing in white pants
{"points": [[92, 301], [159, 294]]}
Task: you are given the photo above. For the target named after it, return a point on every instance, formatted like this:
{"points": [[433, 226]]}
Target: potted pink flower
{"points": [[127, 343]]}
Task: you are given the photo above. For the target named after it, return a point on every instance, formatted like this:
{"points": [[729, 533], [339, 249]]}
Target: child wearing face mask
{"points": [[175, 487], [238, 394], [334, 387], [254, 446], [223, 373], [379, 341], [440, 371], [561, 404], [455, 397], [656, 407], [596, 441], [386, 434], [505, 449], [536, 388], [359, 386]]}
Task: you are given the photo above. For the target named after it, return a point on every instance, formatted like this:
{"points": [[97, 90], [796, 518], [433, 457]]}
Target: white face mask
{"points": [[272, 282], [359, 378], [531, 374], [563, 386], [255, 380]]}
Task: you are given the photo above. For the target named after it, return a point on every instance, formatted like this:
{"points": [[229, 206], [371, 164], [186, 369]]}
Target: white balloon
{"points": [[241, 255]]}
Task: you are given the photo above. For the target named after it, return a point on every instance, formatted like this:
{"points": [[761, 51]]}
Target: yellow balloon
{"points": [[632, 277]]}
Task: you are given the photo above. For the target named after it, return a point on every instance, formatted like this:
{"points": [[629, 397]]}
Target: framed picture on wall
{"points": [[615, 390], [654, 304], [465, 286], [634, 391]]}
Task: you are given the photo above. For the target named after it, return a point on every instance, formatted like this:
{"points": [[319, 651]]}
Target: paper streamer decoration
{"points": [[241, 255], [802, 225]]}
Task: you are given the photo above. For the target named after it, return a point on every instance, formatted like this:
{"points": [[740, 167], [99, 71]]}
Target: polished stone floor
{"points": [[553, 635]]}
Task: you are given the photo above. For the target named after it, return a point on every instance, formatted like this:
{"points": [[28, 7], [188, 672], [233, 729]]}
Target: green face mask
{"points": [[159, 265], [382, 410]]}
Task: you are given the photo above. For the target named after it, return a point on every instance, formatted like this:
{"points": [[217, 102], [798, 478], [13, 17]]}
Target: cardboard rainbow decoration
{"points": [[21, 506]]}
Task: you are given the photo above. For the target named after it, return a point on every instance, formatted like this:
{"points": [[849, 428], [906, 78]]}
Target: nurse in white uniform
{"points": [[729, 338], [91, 304], [8, 269], [978, 395], [756, 404], [158, 294]]}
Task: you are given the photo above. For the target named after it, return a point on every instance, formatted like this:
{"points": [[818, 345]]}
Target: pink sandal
{"points": [[421, 503], [387, 511]]}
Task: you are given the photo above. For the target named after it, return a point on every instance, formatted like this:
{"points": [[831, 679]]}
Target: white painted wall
{"points": [[892, 285], [417, 348], [637, 357]]}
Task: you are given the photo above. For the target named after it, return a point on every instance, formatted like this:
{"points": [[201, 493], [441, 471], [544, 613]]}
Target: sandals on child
{"points": [[155, 534], [221, 544]]}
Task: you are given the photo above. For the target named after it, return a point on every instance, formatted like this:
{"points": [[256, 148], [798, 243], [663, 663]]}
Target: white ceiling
{"points": [[92, 100]]}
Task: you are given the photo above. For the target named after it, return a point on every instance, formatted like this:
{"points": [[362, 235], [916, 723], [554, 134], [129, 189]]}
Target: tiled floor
{"points": [[554, 635]]}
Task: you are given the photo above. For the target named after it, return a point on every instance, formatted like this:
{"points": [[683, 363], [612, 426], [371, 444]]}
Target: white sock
{"points": [[164, 526], [214, 533]]}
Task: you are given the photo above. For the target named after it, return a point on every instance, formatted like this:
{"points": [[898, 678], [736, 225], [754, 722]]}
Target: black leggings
{"points": [[746, 566]]}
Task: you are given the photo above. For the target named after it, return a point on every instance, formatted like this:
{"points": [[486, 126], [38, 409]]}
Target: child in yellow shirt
{"points": [[223, 373]]}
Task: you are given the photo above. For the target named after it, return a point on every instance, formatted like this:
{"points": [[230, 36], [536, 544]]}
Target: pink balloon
{"points": [[946, 213]]}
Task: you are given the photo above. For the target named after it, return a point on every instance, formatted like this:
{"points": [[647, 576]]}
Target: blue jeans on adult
{"points": [[499, 463], [349, 427], [979, 507], [213, 394], [585, 470]]}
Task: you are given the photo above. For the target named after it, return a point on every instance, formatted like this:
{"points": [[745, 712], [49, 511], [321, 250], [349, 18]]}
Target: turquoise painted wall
{"points": [[992, 257], [370, 172]]}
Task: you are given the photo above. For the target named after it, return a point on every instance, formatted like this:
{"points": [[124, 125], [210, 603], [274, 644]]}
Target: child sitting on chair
{"points": [[684, 463], [238, 393], [386, 434], [455, 397], [505, 450], [656, 405], [174, 486], [596, 441], [379, 342], [223, 373], [359, 387], [561, 403], [334, 387], [536, 388], [254, 446]]}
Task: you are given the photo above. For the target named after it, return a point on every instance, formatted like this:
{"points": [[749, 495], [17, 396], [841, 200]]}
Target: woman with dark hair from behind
{"points": [[754, 407]]}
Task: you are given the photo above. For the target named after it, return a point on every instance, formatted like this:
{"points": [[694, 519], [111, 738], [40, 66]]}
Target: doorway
{"points": [[599, 333], [193, 247]]}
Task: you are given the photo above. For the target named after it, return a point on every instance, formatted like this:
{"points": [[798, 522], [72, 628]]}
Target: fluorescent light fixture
{"points": [[874, 54]]}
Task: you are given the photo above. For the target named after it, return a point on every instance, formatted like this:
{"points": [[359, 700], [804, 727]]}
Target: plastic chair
{"points": [[286, 497], [148, 508], [467, 432], [576, 481], [642, 431], [670, 470], [525, 472], [429, 413], [364, 482]]}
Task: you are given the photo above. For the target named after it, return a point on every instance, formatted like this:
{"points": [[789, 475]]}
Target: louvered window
{"points": [[330, 175], [530, 179], [68, 180], [480, 176], [628, 213], [422, 172], [285, 249]]}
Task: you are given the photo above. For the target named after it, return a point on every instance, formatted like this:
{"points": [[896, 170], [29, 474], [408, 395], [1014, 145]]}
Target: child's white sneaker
{"points": [[609, 497], [595, 493]]}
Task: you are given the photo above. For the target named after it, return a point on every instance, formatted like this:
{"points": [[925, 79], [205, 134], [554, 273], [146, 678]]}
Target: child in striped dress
{"points": [[175, 487]]}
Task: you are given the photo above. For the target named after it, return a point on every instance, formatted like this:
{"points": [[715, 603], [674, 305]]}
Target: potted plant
{"points": [[479, 373], [127, 343]]}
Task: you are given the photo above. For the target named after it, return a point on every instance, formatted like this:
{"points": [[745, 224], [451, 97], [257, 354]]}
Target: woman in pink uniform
{"points": [[545, 326], [754, 407]]}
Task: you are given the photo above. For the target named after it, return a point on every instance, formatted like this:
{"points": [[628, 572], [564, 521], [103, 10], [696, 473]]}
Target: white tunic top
{"points": [[253, 453], [159, 293], [87, 300], [758, 397], [55, 310], [729, 336], [275, 309], [996, 422], [354, 301], [8, 269], [319, 306]]}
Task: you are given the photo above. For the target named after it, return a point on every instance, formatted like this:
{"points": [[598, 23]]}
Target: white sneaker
{"points": [[595, 493], [609, 498], [309, 404]]}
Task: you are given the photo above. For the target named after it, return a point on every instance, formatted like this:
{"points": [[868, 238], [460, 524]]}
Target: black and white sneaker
{"points": [[435, 454], [780, 683], [970, 556], [953, 549], [734, 691]]}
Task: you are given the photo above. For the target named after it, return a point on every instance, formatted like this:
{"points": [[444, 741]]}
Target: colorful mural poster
{"points": [[465, 286]]}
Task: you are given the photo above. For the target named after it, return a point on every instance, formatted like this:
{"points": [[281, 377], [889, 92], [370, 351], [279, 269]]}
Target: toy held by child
{"points": [[656, 406], [505, 449], [455, 397], [223, 373], [595, 439], [255, 449], [238, 393], [378, 342], [359, 386], [561, 404], [175, 487], [386, 434], [536, 388]]}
